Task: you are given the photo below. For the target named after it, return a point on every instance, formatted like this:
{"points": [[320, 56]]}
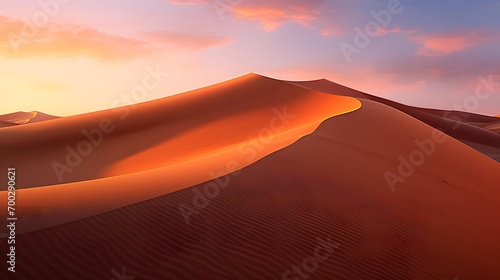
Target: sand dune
{"points": [[478, 131], [24, 118], [139, 200], [40, 117], [18, 117], [492, 126], [167, 145]]}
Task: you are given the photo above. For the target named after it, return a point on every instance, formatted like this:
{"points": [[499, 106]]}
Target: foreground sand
{"points": [[320, 177]]}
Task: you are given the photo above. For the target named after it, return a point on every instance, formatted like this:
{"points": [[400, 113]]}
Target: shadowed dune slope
{"points": [[478, 131], [6, 124], [440, 223]]}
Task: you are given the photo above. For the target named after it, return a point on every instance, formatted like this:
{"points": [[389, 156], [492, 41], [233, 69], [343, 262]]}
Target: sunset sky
{"points": [[72, 56]]}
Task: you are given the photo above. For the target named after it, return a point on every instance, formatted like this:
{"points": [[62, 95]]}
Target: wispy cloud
{"points": [[68, 41], [441, 44], [58, 40], [273, 14], [383, 31], [185, 41], [270, 14], [331, 31]]}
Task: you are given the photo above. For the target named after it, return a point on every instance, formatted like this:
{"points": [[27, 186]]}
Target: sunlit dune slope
{"points": [[166, 145], [40, 117], [475, 130], [440, 223]]}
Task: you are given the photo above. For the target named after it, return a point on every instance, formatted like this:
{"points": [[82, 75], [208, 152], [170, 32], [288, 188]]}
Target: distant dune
{"points": [[246, 178], [24, 118], [478, 131]]}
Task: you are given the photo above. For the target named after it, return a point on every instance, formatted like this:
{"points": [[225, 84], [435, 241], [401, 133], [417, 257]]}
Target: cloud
{"points": [[326, 17], [331, 31], [270, 14], [383, 31], [74, 40], [66, 41], [274, 14], [437, 44]]}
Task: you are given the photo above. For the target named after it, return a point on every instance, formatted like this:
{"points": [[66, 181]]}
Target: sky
{"points": [[66, 57]]}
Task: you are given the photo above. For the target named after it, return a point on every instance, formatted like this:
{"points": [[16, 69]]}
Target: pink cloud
{"points": [[273, 14], [331, 31], [444, 44], [383, 31], [398, 29], [269, 14]]}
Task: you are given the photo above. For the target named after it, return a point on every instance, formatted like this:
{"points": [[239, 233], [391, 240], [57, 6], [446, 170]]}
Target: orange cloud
{"points": [[444, 44], [73, 40], [273, 14], [66, 41]]}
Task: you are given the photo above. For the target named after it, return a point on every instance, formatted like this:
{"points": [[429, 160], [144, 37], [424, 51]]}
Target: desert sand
{"points": [[239, 180]]}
